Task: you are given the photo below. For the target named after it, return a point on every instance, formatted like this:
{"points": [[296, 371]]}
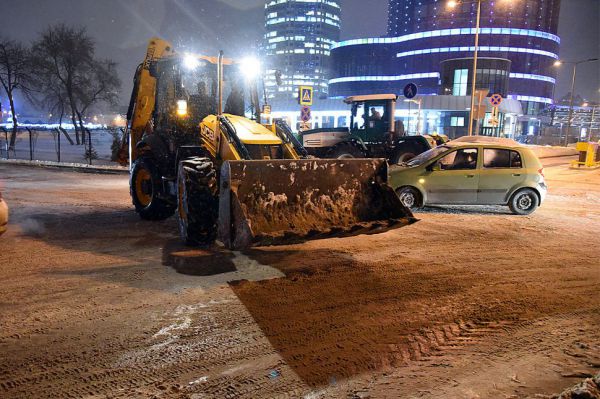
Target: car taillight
{"points": [[541, 172]]}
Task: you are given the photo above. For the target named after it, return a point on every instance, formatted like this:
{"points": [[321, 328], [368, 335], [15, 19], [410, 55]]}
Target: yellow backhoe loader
{"points": [[228, 177]]}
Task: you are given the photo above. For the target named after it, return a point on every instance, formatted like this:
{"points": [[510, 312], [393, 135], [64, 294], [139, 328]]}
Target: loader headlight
{"points": [[182, 107], [250, 67]]}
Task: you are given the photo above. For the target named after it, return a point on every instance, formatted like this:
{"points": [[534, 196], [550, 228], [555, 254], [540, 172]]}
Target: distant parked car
{"points": [[3, 215], [473, 171]]}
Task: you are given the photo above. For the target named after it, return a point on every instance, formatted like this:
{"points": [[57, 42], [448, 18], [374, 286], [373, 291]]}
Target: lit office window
{"points": [[461, 78]]}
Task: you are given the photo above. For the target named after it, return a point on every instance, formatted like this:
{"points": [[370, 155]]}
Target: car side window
{"points": [[501, 159], [515, 160], [463, 159]]}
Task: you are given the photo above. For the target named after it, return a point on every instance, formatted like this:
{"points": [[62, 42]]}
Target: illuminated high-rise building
{"points": [[430, 44], [298, 40]]}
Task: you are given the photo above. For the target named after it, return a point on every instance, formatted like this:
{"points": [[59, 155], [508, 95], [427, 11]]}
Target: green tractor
{"points": [[374, 133]]}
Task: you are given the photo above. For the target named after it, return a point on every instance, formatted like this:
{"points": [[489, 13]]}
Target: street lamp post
{"points": [[591, 135], [573, 78], [474, 78]]}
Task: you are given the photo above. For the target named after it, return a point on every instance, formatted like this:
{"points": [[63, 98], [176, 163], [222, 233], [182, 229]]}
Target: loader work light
{"points": [[250, 68], [191, 62], [182, 107]]}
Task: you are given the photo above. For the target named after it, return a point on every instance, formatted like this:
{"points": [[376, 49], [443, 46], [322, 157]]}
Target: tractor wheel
{"points": [[145, 187], [402, 156], [346, 151], [198, 201]]}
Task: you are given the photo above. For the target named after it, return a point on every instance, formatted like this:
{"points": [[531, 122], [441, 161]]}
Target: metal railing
{"points": [[96, 146]]}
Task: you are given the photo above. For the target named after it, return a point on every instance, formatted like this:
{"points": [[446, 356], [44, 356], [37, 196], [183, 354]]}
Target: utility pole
{"points": [[591, 135], [570, 117], [574, 77]]}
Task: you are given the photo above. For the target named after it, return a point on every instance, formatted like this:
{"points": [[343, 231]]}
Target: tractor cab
{"points": [[373, 133], [372, 117]]}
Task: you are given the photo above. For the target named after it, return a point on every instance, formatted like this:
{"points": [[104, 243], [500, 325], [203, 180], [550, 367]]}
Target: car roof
{"points": [[484, 141]]}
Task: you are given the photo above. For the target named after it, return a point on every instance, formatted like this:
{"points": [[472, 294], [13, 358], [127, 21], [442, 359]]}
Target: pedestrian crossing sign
{"points": [[305, 95]]}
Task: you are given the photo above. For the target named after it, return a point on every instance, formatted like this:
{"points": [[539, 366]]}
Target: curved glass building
{"points": [[424, 34], [298, 40]]}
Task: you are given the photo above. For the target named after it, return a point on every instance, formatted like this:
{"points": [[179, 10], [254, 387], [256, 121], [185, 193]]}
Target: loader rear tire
{"points": [[145, 188], [198, 201]]}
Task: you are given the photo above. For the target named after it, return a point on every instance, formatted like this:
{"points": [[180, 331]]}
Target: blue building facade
{"points": [[297, 45], [423, 34]]}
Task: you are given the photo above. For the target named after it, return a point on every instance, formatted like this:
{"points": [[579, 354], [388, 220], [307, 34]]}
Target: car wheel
{"points": [[524, 202], [410, 197]]}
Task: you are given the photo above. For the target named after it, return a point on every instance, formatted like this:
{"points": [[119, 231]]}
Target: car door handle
{"points": [[469, 176], [516, 174]]}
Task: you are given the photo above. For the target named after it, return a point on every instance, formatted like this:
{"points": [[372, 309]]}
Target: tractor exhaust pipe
{"points": [[220, 84]]}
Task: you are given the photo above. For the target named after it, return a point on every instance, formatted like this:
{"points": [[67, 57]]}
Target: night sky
{"points": [[122, 28]]}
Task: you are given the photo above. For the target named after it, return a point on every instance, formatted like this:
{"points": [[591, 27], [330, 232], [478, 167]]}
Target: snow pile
{"points": [[588, 389]]}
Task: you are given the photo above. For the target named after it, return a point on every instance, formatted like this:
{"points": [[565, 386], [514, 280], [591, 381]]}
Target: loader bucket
{"points": [[287, 201]]}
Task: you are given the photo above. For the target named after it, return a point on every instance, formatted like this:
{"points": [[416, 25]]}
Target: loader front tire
{"points": [[198, 201], [145, 188]]}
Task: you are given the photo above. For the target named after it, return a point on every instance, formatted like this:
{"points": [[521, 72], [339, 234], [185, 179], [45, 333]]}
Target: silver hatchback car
{"points": [[473, 171]]}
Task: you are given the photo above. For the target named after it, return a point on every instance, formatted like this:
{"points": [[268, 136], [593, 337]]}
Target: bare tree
{"points": [[102, 85], [69, 75], [15, 75]]}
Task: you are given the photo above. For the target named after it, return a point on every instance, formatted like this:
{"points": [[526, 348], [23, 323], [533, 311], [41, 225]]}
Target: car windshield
{"points": [[426, 156]]}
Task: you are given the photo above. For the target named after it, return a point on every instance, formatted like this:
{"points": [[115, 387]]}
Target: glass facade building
{"points": [[297, 45], [423, 34], [457, 76]]}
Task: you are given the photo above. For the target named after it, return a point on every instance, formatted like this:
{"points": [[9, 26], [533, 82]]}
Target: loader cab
{"points": [[372, 117]]}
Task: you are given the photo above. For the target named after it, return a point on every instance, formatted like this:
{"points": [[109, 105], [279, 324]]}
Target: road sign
{"points": [[496, 100], [305, 95], [305, 114], [410, 90]]}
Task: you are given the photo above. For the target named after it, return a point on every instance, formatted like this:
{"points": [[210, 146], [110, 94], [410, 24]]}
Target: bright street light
{"points": [[251, 68]]}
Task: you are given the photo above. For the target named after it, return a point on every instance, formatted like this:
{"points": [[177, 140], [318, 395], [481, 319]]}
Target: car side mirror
{"points": [[435, 167]]}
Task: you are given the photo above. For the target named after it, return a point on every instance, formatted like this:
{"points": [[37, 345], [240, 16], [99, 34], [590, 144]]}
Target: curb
{"points": [[77, 167]]}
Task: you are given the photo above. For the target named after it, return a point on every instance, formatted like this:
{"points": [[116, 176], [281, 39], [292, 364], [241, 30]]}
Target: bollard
{"points": [[589, 155], [30, 144]]}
